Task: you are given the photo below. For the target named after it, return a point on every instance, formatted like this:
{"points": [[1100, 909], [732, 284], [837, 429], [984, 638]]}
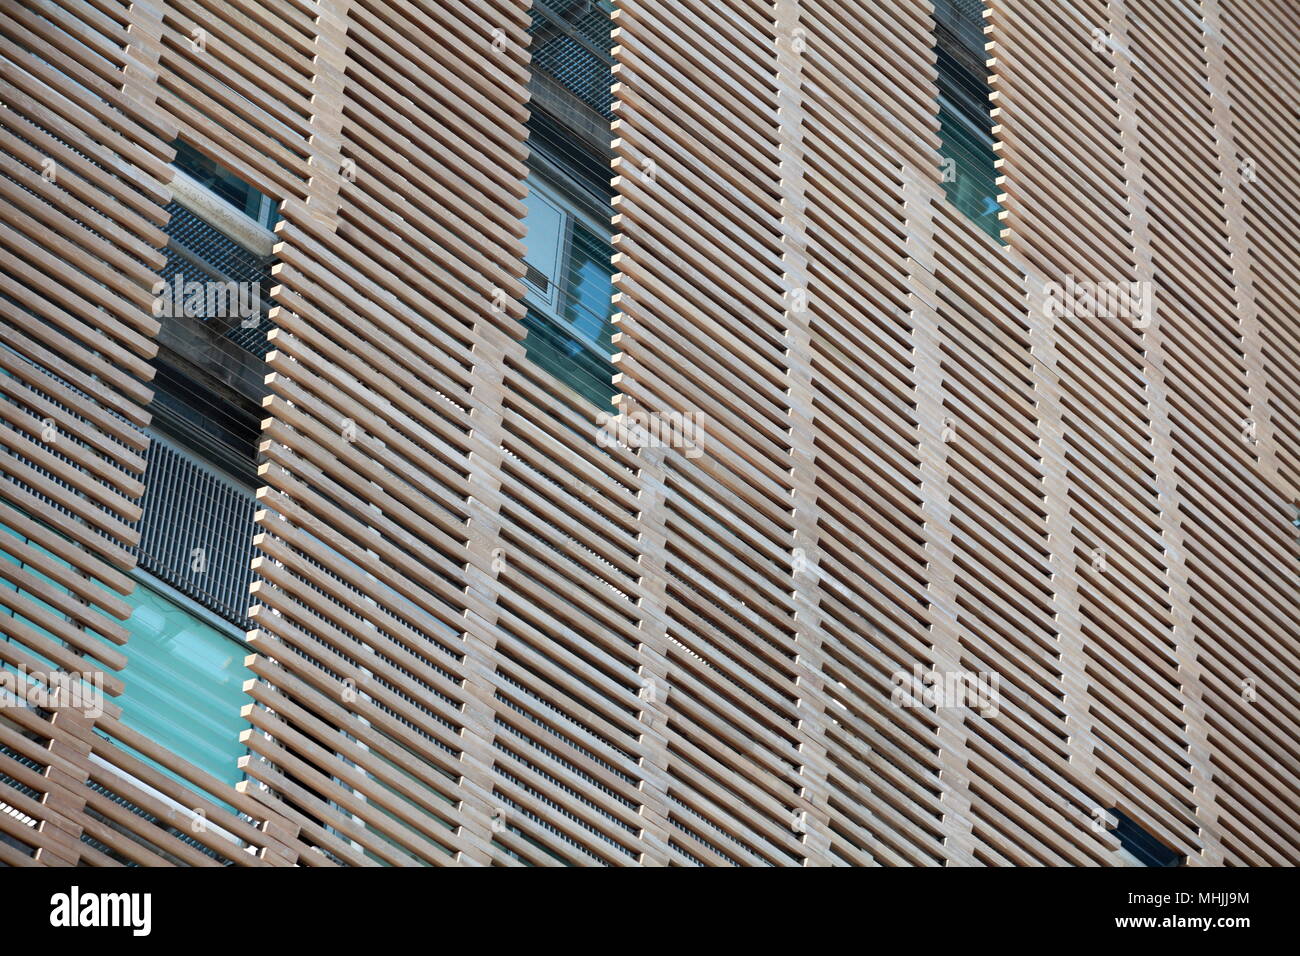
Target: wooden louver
{"points": [[483, 637]]}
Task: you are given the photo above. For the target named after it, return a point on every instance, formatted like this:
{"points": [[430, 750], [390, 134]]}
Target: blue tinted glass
{"points": [[591, 287]]}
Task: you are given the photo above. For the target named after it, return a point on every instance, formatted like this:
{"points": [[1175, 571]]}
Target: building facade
{"points": [[768, 432]]}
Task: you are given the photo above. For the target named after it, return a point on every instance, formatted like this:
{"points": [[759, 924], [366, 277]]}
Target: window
{"points": [[184, 683], [569, 282], [1145, 848], [199, 251], [184, 670], [569, 277], [213, 305], [196, 531], [225, 184], [965, 123], [545, 220], [570, 42], [9, 602], [184, 673]]}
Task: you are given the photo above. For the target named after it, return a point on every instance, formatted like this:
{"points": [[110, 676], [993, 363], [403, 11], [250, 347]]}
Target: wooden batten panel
{"points": [[75, 146], [1110, 573], [383, 442], [486, 635], [1250, 38], [713, 298], [87, 133]]}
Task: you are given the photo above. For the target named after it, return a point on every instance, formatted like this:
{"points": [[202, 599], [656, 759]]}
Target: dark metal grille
{"points": [[186, 508], [8, 781], [169, 830], [571, 42], [198, 251]]}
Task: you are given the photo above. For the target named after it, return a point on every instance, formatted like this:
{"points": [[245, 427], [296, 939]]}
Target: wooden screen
{"points": [[1056, 472]]}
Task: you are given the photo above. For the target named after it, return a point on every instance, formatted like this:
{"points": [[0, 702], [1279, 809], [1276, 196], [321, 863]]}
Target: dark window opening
{"points": [[1147, 849], [198, 252], [213, 304], [965, 120], [223, 183], [569, 275], [213, 424]]}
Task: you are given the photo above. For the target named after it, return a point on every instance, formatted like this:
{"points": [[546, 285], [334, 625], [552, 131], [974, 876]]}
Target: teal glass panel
{"points": [[21, 595], [577, 350], [972, 187], [184, 684], [557, 350], [965, 119], [587, 304]]}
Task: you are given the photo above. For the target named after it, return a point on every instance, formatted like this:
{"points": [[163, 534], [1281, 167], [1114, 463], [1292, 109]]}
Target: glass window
{"points": [[965, 121], [184, 678], [570, 283], [970, 179], [590, 279], [224, 183], [1134, 838], [543, 245], [184, 684]]}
